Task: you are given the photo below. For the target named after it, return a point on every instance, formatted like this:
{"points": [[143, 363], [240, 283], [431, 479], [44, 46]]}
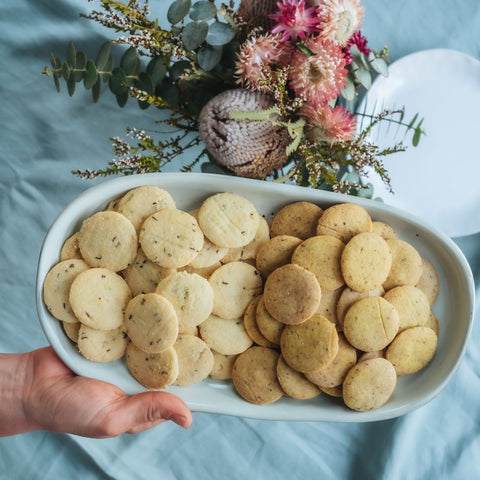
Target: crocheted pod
{"points": [[248, 148], [255, 12]]}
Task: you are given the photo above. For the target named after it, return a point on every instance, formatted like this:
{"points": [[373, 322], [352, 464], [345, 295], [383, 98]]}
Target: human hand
{"points": [[54, 398]]}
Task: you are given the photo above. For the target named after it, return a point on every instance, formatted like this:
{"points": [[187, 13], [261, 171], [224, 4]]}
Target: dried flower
{"points": [[320, 76], [359, 41], [340, 19], [294, 20]]}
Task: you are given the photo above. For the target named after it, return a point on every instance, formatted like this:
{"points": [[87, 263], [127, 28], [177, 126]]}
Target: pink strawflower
{"points": [[359, 41], [294, 20], [255, 59], [327, 123], [321, 76], [340, 19]]}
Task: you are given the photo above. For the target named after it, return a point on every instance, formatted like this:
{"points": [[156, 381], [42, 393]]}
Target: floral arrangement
{"points": [[269, 89]]}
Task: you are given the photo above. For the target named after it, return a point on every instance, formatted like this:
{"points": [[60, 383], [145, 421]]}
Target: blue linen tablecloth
{"points": [[44, 135]]}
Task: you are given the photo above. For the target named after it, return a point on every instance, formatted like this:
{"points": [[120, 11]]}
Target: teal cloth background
{"points": [[44, 135]]}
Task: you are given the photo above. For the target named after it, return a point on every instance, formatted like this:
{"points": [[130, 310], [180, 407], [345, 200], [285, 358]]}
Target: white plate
{"points": [[454, 307], [438, 180]]}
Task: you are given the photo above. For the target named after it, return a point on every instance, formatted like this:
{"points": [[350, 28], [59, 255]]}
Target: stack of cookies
{"points": [[312, 301]]}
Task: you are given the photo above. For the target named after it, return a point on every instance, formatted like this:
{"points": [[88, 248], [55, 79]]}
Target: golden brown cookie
{"points": [[407, 265], [369, 384], [429, 282], [432, 323], [102, 345], [297, 219], [384, 230], [70, 248], [328, 305], [222, 366], [311, 345], [71, 330], [295, 384], [270, 328], [344, 221], [291, 294], [262, 235], [254, 376], [275, 253], [366, 262], [251, 327], [321, 255]]}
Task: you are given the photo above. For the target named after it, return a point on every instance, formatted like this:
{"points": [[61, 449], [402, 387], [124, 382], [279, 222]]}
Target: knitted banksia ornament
{"points": [[248, 148]]}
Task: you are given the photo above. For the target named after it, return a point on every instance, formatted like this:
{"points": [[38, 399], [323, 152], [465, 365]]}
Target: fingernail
{"points": [[179, 420]]}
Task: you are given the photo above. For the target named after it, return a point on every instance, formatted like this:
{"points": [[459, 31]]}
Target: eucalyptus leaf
{"points": [[168, 91], [178, 10], [194, 34], [129, 62], [179, 68], [122, 98], [157, 69], [96, 90], [117, 82], [66, 71], [367, 191], [203, 10], [71, 85], [145, 84], [348, 93], [363, 77], [80, 63], [71, 55], [378, 64], [90, 75], [107, 69], [102, 57], [208, 57], [211, 167], [219, 34], [56, 81]]}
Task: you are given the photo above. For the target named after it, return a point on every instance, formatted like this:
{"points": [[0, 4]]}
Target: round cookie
{"points": [[433, 323], [369, 384], [195, 360], [56, 288], [99, 297], [228, 220], [171, 238], [262, 235], [297, 219], [291, 294], [309, 346], [295, 384], [70, 249], [384, 230], [222, 366], [251, 327], [154, 371], [412, 350], [151, 322], [270, 328], [407, 265], [374, 354], [141, 202], [366, 262], [328, 305], [102, 345], [234, 286], [371, 324], [143, 276], [254, 376], [204, 272], [412, 306], [336, 392], [334, 373], [226, 336], [344, 221], [429, 282], [275, 253], [71, 330], [321, 255], [108, 240], [190, 295]]}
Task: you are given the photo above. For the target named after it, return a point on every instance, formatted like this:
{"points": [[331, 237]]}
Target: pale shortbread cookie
{"points": [[334, 373], [344, 221], [56, 288], [102, 345], [336, 392], [432, 323], [226, 336], [384, 230], [366, 262], [254, 375], [374, 354], [412, 350], [143, 276], [321, 255], [108, 240], [412, 306], [275, 253], [154, 371], [228, 220], [407, 265], [204, 272], [311, 345], [70, 248], [291, 294], [328, 305], [429, 282], [195, 360], [251, 326], [210, 254], [141, 202], [297, 219], [234, 286], [270, 328], [295, 384], [369, 384], [71, 330], [99, 297], [222, 366], [190, 295], [171, 238], [112, 205], [371, 323], [151, 322]]}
